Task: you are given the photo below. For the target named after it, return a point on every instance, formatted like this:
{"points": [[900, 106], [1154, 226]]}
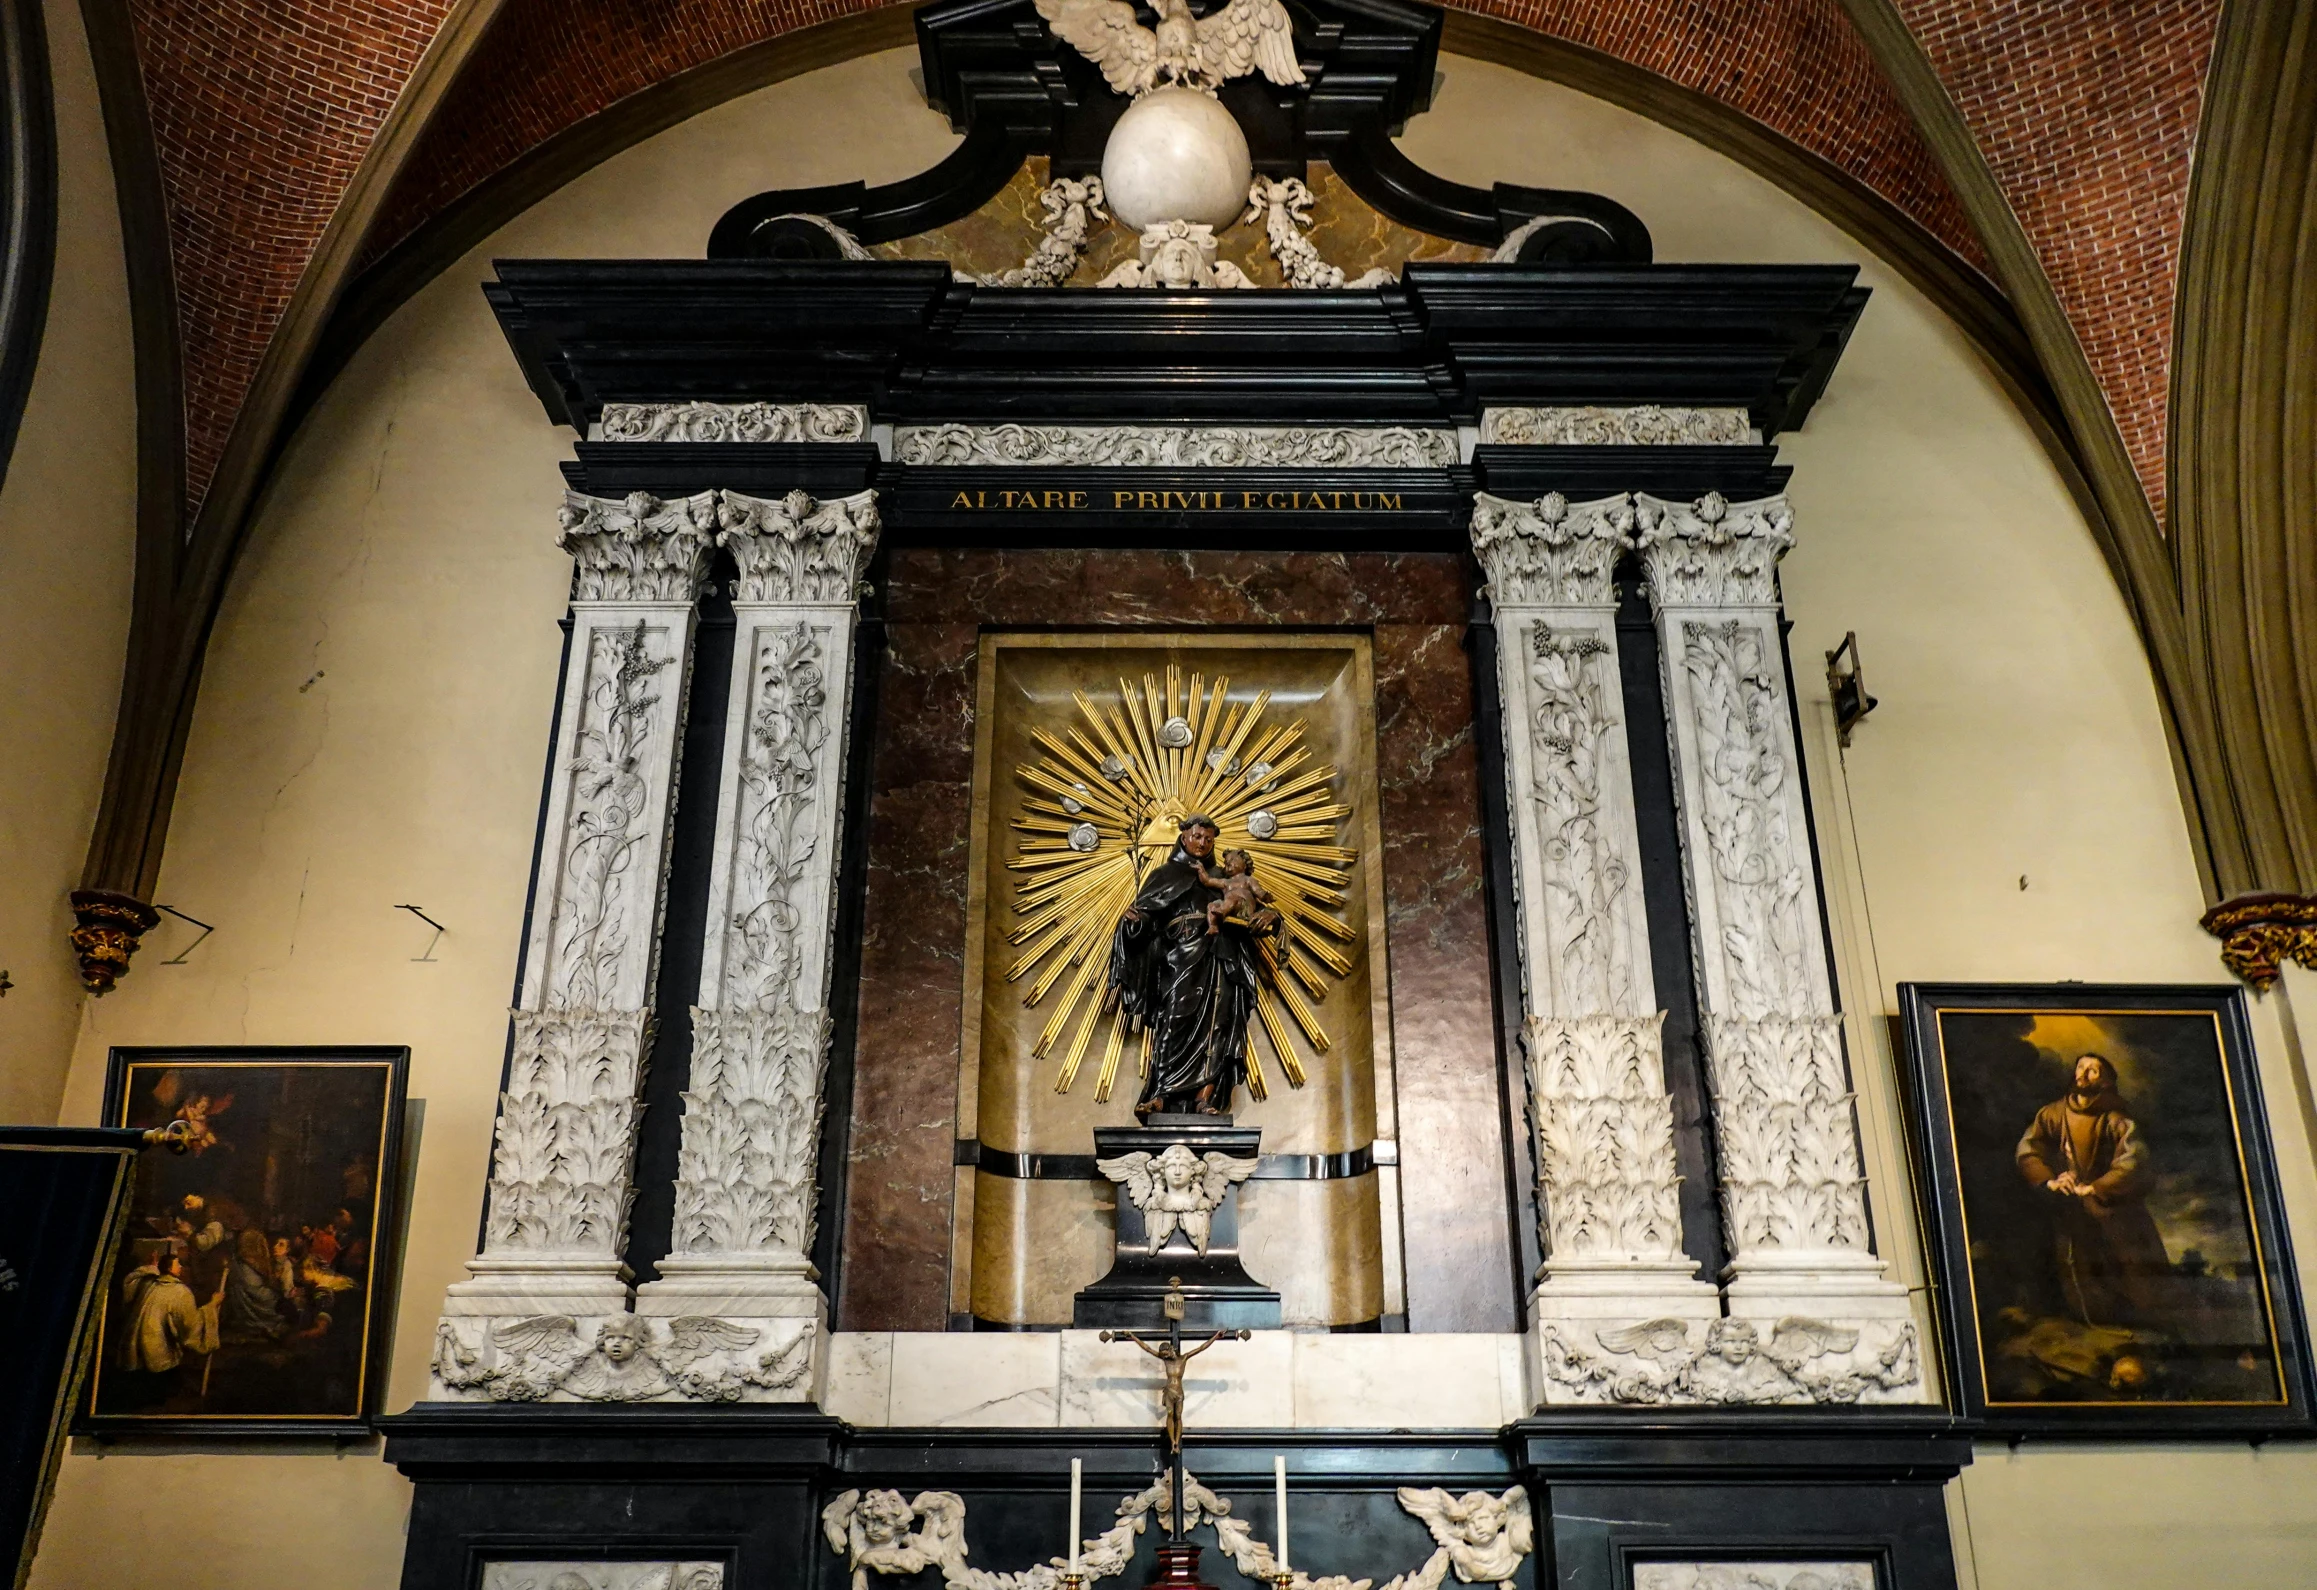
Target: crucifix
{"points": [[1168, 1350]]}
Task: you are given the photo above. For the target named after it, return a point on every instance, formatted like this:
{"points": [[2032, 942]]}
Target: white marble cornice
{"points": [[733, 422], [1178, 446], [1644, 425]]}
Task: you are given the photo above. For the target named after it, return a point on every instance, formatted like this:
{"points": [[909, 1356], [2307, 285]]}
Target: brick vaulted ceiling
{"points": [[263, 109]]}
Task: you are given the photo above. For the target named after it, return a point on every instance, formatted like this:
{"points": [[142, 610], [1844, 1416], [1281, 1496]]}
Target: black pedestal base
{"points": [[1218, 1293]]}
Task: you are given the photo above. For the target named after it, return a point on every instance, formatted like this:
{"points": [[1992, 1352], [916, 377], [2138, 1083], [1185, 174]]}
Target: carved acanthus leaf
{"points": [[1727, 1362], [1177, 446], [798, 549], [638, 548], [559, 1175], [1714, 553], [1645, 425], [1785, 1132], [746, 1175], [735, 422], [1551, 552], [1604, 1135]]}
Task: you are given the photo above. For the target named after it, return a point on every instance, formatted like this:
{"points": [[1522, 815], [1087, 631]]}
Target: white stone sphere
{"points": [[1176, 155]]}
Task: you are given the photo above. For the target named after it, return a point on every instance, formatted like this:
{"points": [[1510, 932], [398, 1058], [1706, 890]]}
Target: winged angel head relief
{"points": [[1177, 1189], [1197, 52]]}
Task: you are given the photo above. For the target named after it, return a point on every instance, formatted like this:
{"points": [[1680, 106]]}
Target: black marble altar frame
{"points": [[1586, 319]]}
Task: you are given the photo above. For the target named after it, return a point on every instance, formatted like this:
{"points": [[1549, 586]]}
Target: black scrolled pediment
{"points": [[1014, 90], [917, 347]]}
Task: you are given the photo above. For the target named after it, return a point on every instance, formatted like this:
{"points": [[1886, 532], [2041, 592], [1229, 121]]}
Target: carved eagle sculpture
{"points": [[1198, 52]]}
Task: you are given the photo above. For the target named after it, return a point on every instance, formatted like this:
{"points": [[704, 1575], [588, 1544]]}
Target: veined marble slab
{"points": [[1009, 1379], [1277, 1380], [1231, 1386]]}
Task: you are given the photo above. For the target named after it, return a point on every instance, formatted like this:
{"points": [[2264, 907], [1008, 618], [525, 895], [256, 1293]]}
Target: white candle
{"points": [[1279, 1481], [1077, 1467]]}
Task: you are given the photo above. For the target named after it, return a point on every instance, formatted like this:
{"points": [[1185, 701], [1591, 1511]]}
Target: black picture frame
{"points": [[2056, 1318], [315, 1123]]}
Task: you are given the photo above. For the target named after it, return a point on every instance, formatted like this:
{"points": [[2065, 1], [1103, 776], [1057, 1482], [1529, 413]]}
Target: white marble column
{"points": [[1598, 1106], [1793, 1193], [748, 1169], [561, 1175]]}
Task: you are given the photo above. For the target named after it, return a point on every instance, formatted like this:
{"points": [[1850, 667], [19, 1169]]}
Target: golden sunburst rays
{"points": [[1101, 807]]}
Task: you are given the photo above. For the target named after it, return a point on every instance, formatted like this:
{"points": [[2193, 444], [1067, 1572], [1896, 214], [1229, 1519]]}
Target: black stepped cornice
{"points": [[917, 347]]}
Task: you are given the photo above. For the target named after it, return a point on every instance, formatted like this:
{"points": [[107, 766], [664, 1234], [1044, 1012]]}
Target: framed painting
{"points": [[2103, 1210], [254, 1289]]}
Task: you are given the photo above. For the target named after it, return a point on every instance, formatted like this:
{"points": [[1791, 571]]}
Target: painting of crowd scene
{"points": [[249, 1281], [2113, 1253]]}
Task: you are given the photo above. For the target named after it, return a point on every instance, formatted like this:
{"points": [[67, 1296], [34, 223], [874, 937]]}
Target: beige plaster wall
{"points": [[2008, 813], [67, 558], [372, 725], [375, 708]]}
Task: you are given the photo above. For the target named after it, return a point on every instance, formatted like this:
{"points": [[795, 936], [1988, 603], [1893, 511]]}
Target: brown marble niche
{"points": [[903, 1207], [1033, 1244]]}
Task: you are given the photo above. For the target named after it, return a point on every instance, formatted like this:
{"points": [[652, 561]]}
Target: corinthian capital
{"points": [[1551, 552], [798, 548], [1712, 552], [637, 548]]}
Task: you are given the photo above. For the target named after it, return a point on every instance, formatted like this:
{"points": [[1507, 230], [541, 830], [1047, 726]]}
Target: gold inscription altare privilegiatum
{"points": [[1243, 501]]}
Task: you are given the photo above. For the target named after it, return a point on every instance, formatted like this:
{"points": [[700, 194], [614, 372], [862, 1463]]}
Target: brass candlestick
{"points": [[1073, 1581]]}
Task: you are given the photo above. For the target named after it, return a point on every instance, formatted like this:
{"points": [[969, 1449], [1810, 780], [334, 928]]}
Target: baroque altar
{"points": [[1338, 705]]}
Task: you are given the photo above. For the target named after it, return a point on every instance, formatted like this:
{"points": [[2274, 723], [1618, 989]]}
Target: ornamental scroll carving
{"points": [[1753, 1576], [1589, 898], [1713, 552], [1552, 552], [746, 1177], [637, 549], [798, 549], [1644, 425], [1481, 1536], [1728, 1362], [1604, 1128], [1177, 446], [620, 1358], [735, 422], [1763, 895], [603, 1576]]}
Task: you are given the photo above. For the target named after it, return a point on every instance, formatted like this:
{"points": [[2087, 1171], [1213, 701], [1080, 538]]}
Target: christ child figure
{"points": [[1241, 895]]}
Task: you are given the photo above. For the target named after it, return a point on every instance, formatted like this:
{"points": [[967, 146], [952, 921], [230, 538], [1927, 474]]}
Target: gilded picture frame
{"points": [[253, 1293], [2102, 1210]]}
